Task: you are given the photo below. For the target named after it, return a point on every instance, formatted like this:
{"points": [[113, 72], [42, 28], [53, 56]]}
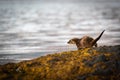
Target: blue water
{"points": [[29, 29]]}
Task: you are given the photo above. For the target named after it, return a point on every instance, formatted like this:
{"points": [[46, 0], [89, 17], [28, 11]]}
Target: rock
{"points": [[102, 63], [100, 58]]}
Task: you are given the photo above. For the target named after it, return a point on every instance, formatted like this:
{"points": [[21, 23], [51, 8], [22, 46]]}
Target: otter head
{"points": [[73, 41]]}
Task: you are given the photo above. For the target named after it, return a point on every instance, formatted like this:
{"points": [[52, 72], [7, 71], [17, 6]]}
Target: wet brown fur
{"points": [[85, 41]]}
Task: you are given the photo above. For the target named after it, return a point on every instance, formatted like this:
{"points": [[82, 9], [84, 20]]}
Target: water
{"points": [[29, 29]]}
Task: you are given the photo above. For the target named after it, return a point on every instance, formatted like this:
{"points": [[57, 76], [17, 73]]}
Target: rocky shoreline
{"points": [[102, 63]]}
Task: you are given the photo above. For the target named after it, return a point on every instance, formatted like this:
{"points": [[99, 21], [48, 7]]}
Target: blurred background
{"points": [[33, 28]]}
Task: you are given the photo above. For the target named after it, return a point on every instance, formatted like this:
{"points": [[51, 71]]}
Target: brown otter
{"points": [[85, 41]]}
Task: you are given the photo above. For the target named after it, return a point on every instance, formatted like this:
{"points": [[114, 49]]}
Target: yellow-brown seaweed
{"points": [[84, 64]]}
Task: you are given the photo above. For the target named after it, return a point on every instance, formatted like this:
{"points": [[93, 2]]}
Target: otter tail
{"points": [[94, 41]]}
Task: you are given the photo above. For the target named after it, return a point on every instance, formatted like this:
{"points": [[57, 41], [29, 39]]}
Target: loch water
{"points": [[29, 29]]}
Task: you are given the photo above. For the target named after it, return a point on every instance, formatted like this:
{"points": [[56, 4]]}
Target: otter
{"points": [[85, 41]]}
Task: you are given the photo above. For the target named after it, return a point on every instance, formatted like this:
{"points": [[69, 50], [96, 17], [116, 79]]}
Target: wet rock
{"points": [[103, 72], [117, 64], [100, 58], [89, 63], [81, 78], [110, 49]]}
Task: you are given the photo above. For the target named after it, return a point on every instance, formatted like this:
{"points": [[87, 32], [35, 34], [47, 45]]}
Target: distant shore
{"points": [[102, 63]]}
